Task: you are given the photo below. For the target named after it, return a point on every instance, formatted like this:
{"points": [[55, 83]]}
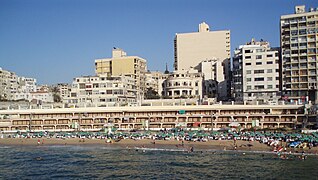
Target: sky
{"points": [[55, 41]]}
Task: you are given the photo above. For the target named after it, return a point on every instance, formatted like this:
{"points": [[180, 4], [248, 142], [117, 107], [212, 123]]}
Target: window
{"points": [[247, 51], [248, 64], [259, 87], [258, 56], [277, 70], [269, 86], [247, 57], [258, 71], [277, 78], [248, 87], [248, 79], [269, 55], [258, 63], [276, 62], [269, 78], [269, 62], [248, 71], [269, 70], [259, 79], [259, 50]]}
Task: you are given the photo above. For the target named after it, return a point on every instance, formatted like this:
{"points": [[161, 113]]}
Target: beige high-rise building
{"points": [[299, 43], [193, 48], [121, 64]]}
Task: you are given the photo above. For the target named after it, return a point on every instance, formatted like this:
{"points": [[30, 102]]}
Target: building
{"points": [[63, 90], [27, 84], [154, 118], [14, 87], [256, 73], [153, 80], [183, 84], [193, 48], [102, 91], [8, 84], [121, 64], [209, 70], [298, 38]]}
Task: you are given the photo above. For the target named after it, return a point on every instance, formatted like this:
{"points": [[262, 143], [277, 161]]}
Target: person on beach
{"points": [[38, 141]]}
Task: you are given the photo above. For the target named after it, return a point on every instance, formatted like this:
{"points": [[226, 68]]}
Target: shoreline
{"points": [[217, 145]]}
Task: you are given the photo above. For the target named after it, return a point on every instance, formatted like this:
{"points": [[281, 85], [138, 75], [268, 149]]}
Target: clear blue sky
{"points": [[57, 40]]}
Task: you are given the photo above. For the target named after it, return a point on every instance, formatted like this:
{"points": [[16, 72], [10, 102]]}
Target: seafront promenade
{"points": [[190, 117]]}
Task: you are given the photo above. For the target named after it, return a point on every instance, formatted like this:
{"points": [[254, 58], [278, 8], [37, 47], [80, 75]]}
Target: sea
{"points": [[99, 162]]}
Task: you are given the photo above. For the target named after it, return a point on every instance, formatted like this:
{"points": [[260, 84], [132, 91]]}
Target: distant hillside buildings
{"points": [[14, 87]]}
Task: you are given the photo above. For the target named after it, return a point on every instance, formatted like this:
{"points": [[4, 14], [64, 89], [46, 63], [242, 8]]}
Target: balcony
{"points": [[311, 39]]}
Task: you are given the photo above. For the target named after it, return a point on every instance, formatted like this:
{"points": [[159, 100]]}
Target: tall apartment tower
{"points": [[190, 49], [121, 64], [256, 73], [299, 43]]}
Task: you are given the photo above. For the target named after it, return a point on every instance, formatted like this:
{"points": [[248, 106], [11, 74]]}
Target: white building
{"points": [[183, 84], [63, 90], [102, 91], [14, 87], [27, 84], [256, 73], [152, 79], [209, 70], [193, 48]]}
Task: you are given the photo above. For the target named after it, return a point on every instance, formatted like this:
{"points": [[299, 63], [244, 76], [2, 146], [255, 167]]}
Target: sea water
{"points": [[99, 162]]}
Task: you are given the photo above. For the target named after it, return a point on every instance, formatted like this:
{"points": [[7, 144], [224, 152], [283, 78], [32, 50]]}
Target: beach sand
{"points": [[147, 143]]}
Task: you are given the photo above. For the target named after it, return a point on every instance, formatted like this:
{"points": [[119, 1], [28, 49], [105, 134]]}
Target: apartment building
{"points": [[102, 91], [183, 84], [299, 43], [209, 70], [256, 73], [63, 90], [193, 48], [153, 80], [27, 84], [14, 87], [121, 64]]}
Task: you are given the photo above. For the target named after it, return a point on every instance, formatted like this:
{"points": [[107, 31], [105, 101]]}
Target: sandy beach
{"points": [[147, 143]]}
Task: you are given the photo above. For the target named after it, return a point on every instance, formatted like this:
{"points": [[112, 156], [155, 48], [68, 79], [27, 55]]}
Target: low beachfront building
{"points": [[102, 91], [191, 117]]}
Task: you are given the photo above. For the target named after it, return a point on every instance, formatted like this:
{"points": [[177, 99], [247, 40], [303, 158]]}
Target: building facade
{"points": [[121, 64], [154, 118], [193, 48], [209, 70], [256, 73], [102, 91], [183, 84], [14, 87], [299, 38], [63, 90], [153, 80]]}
